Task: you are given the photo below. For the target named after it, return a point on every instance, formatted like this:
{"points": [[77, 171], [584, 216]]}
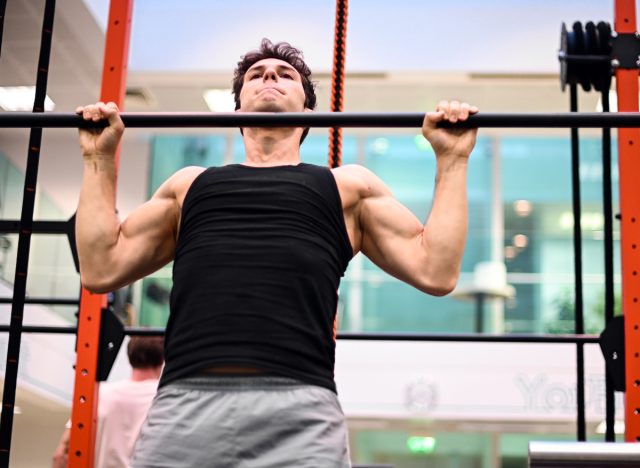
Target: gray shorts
{"points": [[243, 422]]}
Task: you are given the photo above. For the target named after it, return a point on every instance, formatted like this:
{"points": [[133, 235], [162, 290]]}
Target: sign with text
{"points": [[508, 381]]}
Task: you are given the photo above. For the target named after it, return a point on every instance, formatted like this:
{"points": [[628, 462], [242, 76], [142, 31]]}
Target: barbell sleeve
{"points": [[323, 119]]}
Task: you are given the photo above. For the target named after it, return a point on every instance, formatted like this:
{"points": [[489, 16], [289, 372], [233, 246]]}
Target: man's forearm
{"points": [[97, 224], [445, 231]]}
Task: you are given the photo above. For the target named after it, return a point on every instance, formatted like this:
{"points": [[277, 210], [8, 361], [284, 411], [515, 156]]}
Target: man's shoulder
{"points": [[356, 177], [187, 174], [178, 183], [353, 171]]}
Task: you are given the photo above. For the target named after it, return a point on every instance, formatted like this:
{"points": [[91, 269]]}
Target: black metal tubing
{"points": [[9, 226], [469, 337], [3, 8], [609, 302], [577, 249], [460, 337], [43, 301], [323, 119], [43, 329], [67, 228], [24, 239]]}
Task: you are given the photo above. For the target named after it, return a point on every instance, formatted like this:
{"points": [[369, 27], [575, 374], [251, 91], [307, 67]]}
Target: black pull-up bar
{"points": [[322, 119]]}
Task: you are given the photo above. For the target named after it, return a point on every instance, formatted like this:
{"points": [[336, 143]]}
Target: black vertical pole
{"points": [[609, 303], [3, 8], [24, 242], [480, 312], [577, 249]]}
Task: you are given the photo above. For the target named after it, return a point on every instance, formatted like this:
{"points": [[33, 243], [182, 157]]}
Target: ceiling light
{"points": [[20, 98], [219, 100], [522, 207], [520, 241], [380, 145]]}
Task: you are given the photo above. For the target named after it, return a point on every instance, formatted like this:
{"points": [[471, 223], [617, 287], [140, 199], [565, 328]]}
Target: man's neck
{"points": [[272, 146], [152, 373]]}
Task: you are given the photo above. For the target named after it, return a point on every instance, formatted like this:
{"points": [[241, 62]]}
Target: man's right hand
{"points": [[100, 143]]}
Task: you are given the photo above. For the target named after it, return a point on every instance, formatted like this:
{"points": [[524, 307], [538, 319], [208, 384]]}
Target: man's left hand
{"points": [[450, 142]]}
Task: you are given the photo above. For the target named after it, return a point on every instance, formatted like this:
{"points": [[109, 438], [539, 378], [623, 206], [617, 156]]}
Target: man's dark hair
{"points": [[146, 352], [281, 51]]}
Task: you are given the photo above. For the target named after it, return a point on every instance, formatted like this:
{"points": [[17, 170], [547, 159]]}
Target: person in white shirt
{"points": [[122, 406]]}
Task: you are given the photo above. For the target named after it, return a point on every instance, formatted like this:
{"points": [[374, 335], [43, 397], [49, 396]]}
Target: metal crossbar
{"points": [[323, 119]]}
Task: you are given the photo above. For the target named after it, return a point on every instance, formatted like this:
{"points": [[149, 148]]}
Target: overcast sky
{"points": [[459, 35]]}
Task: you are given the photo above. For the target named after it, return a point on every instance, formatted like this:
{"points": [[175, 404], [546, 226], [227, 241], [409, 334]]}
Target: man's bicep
{"points": [[148, 236], [391, 235], [152, 228]]}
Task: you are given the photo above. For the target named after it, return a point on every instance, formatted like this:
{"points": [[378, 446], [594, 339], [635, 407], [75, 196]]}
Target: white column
{"points": [[356, 273], [354, 302], [497, 231]]}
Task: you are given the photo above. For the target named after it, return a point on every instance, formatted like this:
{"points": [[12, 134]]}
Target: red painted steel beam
{"points": [[629, 167], [85, 394]]}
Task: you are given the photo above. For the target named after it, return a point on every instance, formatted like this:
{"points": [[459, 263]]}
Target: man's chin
{"points": [[266, 106], [270, 108]]}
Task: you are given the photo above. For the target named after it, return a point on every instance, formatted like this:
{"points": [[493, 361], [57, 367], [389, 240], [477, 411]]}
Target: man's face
{"points": [[272, 85]]}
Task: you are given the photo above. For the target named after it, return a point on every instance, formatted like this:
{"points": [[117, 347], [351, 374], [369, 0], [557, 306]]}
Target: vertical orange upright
{"points": [[629, 168], [85, 393]]}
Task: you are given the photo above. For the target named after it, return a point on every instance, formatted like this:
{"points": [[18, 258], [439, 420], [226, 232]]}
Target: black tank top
{"points": [[258, 262]]}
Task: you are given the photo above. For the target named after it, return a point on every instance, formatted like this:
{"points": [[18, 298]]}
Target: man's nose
{"points": [[270, 74]]}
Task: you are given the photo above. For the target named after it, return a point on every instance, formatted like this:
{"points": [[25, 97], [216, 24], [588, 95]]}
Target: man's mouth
{"points": [[275, 90]]}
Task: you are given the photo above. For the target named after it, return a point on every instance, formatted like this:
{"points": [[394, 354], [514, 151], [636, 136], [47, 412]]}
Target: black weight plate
{"points": [[591, 48], [582, 73], [605, 48]]}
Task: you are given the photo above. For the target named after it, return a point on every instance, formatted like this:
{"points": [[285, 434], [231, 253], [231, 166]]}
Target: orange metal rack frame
{"points": [[629, 168]]}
